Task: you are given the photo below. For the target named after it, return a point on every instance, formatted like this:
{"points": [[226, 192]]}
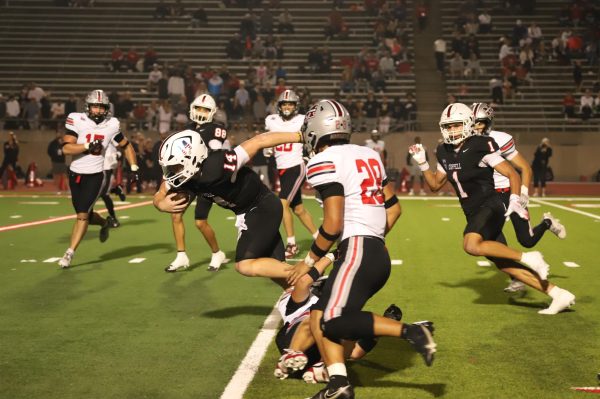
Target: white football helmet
{"points": [[326, 119], [456, 113], [483, 113], [181, 156], [98, 98], [288, 96], [202, 101]]}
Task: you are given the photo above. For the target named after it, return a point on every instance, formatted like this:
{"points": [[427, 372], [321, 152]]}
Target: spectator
{"points": [[165, 117], [371, 107], [266, 21], [281, 87], [35, 92], [539, 166], [378, 81], [485, 22], [59, 167], [519, 34], [150, 58], [473, 67], [259, 109], [215, 85], [496, 92], [241, 101], [387, 66], [57, 113], [535, 34], [314, 59], [335, 23], [569, 106], [457, 65], [72, 104], [9, 163], [248, 26], [326, 60], [235, 47], [117, 58], [577, 75], [422, 12], [346, 80], [139, 114], [439, 48], [591, 52], [31, 114], [177, 9], [384, 122], [285, 22], [280, 72], [161, 11], [154, 77], [586, 105], [13, 111], [199, 18], [132, 59], [176, 88], [505, 50]]}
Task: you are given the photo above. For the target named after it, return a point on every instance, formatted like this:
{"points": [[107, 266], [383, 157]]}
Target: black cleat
{"points": [[113, 221], [104, 230], [393, 312], [345, 392], [420, 336], [118, 190]]}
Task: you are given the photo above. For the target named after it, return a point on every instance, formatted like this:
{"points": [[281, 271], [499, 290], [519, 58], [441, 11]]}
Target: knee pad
{"points": [[353, 326]]}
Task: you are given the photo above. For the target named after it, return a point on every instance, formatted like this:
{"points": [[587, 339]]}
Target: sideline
{"points": [[61, 218], [249, 366], [566, 208]]}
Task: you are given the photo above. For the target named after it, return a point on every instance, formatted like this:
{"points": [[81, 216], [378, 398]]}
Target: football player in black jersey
{"points": [[468, 162], [213, 134], [222, 177]]}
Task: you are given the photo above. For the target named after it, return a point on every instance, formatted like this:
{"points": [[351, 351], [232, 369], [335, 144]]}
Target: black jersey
{"points": [[213, 134], [221, 182], [471, 177]]}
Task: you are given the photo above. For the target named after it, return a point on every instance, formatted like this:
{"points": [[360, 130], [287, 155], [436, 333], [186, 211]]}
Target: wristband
{"points": [[317, 251], [86, 146], [310, 262], [524, 190], [314, 274], [299, 137], [134, 168], [393, 200], [424, 166]]}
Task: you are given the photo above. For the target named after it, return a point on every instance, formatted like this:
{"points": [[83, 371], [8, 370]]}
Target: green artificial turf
{"points": [[107, 328]]}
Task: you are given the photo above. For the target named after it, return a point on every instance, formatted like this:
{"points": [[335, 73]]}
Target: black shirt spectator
{"points": [[71, 104], [371, 107]]}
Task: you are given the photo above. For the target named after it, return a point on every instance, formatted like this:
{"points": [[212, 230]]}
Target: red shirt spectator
{"points": [[568, 100], [280, 88], [132, 56], [117, 54]]}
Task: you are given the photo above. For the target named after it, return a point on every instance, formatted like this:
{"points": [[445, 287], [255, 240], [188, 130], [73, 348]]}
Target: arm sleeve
{"points": [[241, 155], [492, 159], [330, 190]]}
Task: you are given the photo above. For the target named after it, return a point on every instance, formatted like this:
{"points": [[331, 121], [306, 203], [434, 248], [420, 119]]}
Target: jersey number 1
{"points": [[89, 138], [371, 191]]}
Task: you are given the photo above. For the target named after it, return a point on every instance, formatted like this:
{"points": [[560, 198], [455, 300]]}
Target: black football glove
{"points": [[96, 147], [133, 176]]}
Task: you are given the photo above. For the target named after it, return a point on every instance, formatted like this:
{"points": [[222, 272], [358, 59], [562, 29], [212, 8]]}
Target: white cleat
{"points": [[535, 261], [216, 260], [65, 261], [556, 227], [316, 373], [563, 300], [181, 262], [515, 286]]}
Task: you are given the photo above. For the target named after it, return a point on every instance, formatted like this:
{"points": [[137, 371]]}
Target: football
{"points": [[180, 194]]}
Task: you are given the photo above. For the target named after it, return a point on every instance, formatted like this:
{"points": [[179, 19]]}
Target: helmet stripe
{"points": [[338, 109], [449, 110], [475, 110]]}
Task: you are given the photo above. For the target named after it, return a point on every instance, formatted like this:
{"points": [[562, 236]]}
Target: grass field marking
{"points": [[566, 208], [586, 205], [38, 202], [61, 218], [16, 216], [445, 219], [249, 366], [51, 260], [483, 263], [397, 262], [137, 260], [571, 264]]}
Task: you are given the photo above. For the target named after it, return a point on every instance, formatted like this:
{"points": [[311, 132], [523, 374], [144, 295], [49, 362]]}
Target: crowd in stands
{"points": [[523, 49]]}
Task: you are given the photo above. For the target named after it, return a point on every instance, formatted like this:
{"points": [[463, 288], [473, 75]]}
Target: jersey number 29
{"points": [[371, 191]]}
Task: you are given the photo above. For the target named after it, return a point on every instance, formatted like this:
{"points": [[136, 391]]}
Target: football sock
{"points": [[337, 376], [291, 240], [70, 250], [181, 254], [554, 292]]}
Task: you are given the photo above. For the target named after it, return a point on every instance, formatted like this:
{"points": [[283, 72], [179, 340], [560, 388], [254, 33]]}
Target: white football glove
{"points": [[268, 152], [418, 153], [514, 206], [524, 198]]}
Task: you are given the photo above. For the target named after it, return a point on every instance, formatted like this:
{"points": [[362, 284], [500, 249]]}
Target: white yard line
{"points": [[61, 218], [566, 208], [249, 365]]}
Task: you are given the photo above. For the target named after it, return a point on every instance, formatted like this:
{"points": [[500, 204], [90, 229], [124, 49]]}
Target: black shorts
{"points": [[361, 270], [488, 219], [260, 238], [85, 190], [202, 209], [291, 181]]}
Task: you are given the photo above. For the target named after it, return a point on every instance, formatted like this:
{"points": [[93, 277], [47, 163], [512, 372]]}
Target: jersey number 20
{"points": [[371, 192]]}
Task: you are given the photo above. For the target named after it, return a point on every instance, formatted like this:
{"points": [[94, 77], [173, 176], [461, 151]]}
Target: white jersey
{"points": [[378, 146], [290, 154], [360, 170], [299, 314], [508, 150], [87, 131], [111, 156]]}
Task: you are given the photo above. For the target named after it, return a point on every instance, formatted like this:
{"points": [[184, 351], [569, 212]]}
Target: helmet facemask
{"points": [[284, 110], [97, 117], [203, 109], [454, 132], [456, 123]]}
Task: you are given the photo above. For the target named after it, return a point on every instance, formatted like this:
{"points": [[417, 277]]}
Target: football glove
{"points": [[514, 206], [133, 175], [95, 147], [418, 154]]}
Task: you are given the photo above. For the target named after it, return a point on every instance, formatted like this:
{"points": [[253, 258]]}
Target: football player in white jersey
{"points": [[359, 207], [87, 136], [291, 168], [377, 144], [527, 236], [111, 160]]}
